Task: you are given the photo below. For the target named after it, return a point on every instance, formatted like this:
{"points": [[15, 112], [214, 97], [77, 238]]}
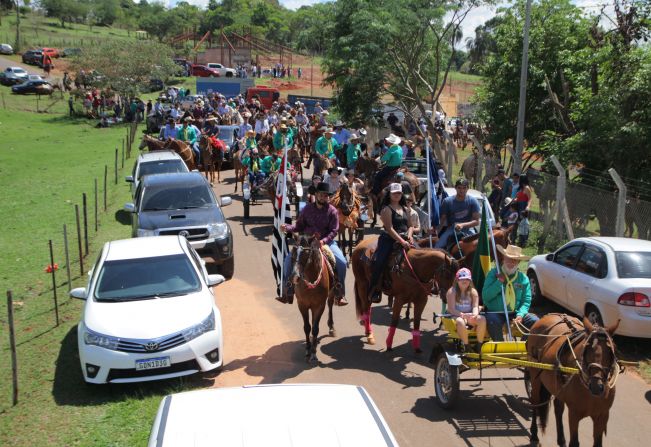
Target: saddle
{"points": [[394, 263]]}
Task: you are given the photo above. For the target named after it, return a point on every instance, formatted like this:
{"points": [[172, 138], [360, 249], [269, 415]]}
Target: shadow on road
{"points": [[69, 387], [475, 419]]}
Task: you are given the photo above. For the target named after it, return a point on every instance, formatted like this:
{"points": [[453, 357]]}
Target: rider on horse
{"points": [[284, 137], [319, 218], [326, 145], [459, 212], [393, 160]]}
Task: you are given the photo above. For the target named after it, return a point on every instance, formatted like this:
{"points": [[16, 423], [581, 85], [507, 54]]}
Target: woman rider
{"points": [[397, 229]]}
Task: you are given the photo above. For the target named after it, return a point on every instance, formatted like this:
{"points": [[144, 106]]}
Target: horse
{"points": [[183, 149], [295, 160], [464, 252], [348, 207], [322, 163], [304, 142], [314, 286], [210, 156], [470, 165], [412, 283], [151, 143], [238, 167], [563, 340]]}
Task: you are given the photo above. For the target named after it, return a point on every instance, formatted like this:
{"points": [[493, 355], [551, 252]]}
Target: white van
{"points": [[297, 415]]}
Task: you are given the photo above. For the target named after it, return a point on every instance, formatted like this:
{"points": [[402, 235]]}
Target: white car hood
{"points": [[148, 318]]}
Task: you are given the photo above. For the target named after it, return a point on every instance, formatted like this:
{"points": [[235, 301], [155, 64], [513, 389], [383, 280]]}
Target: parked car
{"points": [[271, 415], [604, 278], [52, 52], [222, 70], [37, 87], [5, 48], [33, 57], [13, 76], [203, 72], [157, 162], [150, 313], [67, 52], [185, 204], [266, 95], [34, 77]]}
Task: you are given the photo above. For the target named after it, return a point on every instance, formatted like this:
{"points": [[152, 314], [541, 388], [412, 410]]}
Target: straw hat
{"points": [[513, 252], [250, 132], [393, 139]]}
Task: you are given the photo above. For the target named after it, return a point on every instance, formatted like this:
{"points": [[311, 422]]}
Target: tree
{"points": [[127, 65], [65, 10], [106, 12], [483, 44]]}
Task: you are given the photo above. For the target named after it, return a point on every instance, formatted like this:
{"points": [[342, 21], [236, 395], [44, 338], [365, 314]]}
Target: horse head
{"points": [[346, 199], [308, 252], [143, 143], [599, 367]]}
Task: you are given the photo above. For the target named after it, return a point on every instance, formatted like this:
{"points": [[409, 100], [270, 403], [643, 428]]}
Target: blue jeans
{"points": [[496, 320], [444, 237], [340, 266]]}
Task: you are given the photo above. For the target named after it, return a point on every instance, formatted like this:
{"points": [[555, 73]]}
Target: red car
{"points": [[203, 72]]}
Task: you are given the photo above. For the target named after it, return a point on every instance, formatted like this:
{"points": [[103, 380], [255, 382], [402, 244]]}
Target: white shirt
{"points": [[174, 113], [261, 126]]}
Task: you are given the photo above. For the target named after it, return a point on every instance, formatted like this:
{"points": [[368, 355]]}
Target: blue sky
{"points": [[476, 17]]}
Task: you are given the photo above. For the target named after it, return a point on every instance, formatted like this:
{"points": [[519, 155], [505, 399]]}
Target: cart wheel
{"points": [[446, 382], [247, 204]]}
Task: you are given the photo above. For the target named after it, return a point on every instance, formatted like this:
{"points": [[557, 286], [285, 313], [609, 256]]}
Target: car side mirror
{"points": [[226, 200], [550, 257], [128, 179], [129, 207], [79, 293], [215, 280]]}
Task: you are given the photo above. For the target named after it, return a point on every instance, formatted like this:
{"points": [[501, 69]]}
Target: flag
{"points": [[437, 193], [481, 264], [282, 214]]}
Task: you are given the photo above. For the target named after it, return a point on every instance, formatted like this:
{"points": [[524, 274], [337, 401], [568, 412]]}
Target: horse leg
{"points": [[219, 168], [559, 408], [395, 318], [408, 310], [599, 424], [316, 318], [306, 327], [419, 306], [574, 419], [331, 322]]}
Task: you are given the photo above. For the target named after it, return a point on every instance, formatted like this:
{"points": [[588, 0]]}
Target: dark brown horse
{"points": [[211, 159], [304, 142], [564, 341], [314, 278], [347, 204], [412, 283], [183, 149], [151, 143]]}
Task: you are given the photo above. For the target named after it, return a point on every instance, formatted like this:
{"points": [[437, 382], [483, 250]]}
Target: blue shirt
{"points": [[459, 211], [342, 136], [169, 132]]}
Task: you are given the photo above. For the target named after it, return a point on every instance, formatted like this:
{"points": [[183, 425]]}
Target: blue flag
{"points": [[438, 193]]}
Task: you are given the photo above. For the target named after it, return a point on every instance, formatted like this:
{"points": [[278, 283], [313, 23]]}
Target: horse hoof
{"points": [[333, 333], [418, 351], [371, 339], [389, 348], [313, 360]]}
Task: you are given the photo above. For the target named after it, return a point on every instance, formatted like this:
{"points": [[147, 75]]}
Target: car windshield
{"points": [[146, 278], [164, 197], [161, 167], [631, 264], [19, 70]]}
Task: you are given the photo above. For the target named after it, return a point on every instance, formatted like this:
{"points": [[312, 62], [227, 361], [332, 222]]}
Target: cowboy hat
{"points": [[323, 187], [393, 139], [353, 137], [250, 132], [246, 115], [329, 130], [283, 126], [362, 132], [339, 123], [513, 252], [325, 112], [211, 118]]}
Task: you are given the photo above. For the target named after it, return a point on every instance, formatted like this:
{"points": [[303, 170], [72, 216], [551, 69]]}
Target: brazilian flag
{"points": [[481, 264]]}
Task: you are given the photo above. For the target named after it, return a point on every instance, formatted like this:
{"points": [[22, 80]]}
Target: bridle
{"points": [[301, 270], [611, 374]]}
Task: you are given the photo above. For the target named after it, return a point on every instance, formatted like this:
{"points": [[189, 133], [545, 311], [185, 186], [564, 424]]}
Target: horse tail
{"points": [[543, 409], [361, 300]]}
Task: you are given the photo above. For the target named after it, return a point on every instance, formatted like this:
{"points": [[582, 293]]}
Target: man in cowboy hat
{"points": [[169, 131], [392, 159], [517, 293], [187, 134], [245, 126], [353, 151], [326, 145], [283, 138], [210, 127], [319, 218]]}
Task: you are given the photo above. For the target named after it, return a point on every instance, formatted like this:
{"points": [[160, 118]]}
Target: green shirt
{"points": [[492, 293], [281, 139], [326, 147], [267, 165], [187, 134], [393, 157], [352, 153]]}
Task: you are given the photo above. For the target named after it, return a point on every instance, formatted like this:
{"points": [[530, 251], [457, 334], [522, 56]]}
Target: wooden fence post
{"points": [[96, 204], [116, 165], [12, 346], [561, 204], [105, 180], [65, 245], [81, 258], [54, 283], [85, 210]]}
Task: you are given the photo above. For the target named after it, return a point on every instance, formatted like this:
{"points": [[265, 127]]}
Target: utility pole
{"points": [[17, 47], [519, 141], [312, 75]]}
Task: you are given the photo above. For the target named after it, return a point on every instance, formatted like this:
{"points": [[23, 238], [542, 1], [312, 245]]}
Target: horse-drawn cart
{"points": [[267, 190]]}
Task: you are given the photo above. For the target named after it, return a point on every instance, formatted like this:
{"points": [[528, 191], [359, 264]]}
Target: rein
{"points": [[423, 285], [312, 285]]}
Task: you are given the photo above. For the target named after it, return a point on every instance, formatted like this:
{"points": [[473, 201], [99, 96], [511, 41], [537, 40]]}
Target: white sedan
{"points": [[149, 314], [604, 278]]}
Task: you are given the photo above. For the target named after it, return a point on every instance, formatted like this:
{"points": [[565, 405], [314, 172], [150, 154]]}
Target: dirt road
{"points": [[264, 344]]}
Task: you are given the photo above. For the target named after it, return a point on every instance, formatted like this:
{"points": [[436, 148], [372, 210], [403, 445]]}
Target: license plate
{"points": [[158, 362]]}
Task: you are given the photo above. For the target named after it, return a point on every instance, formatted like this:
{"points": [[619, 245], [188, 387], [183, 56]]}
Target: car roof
{"points": [[176, 178], [620, 243], [158, 156], [142, 246], [16, 68], [472, 192], [272, 415]]}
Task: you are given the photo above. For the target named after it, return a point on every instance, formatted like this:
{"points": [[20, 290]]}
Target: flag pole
{"points": [[429, 190], [282, 219], [490, 231]]}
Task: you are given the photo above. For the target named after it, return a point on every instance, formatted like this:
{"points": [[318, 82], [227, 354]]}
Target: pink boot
{"points": [[392, 331], [415, 340]]}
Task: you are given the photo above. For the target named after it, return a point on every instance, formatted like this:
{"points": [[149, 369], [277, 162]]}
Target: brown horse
{"points": [[238, 167], [304, 142], [183, 150], [211, 159], [322, 163], [562, 340], [412, 283], [348, 206], [295, 160], [151, 143], [314, 278]]}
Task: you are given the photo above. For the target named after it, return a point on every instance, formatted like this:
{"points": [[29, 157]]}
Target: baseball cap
{"points": [[395, 187], [464, 273]]}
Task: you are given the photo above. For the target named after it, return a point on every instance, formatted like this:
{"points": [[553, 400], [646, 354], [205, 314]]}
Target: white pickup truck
{"points": [[223, 71]]}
